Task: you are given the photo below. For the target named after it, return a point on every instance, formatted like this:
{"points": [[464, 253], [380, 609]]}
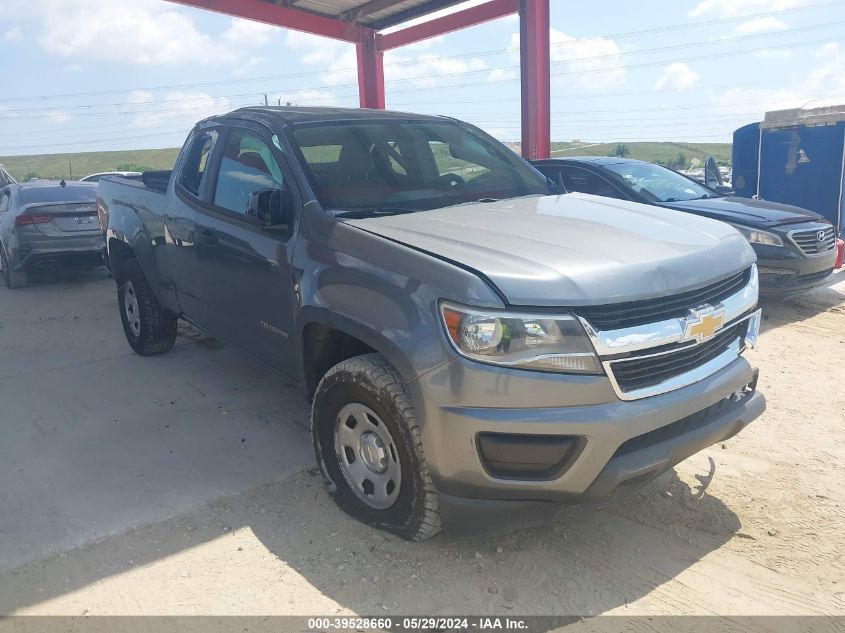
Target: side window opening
{"points": [[194, 169], [248, 165], [583, 181], [4, 203]]}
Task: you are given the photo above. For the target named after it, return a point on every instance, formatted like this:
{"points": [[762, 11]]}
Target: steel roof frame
{"points": [[351, 26]]}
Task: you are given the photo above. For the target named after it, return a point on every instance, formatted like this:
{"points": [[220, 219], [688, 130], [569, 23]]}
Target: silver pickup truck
{"points": [[480, 350]]}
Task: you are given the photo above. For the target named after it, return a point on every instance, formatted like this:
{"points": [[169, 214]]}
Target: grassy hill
{"points": [[84, 163], [652, 152]]}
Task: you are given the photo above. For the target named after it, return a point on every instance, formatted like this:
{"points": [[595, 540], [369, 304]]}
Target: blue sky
{"points": [[84, 75]]}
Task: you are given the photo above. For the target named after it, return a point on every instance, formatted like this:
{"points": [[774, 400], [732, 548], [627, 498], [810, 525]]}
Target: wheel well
{"points": [[118, 252], [323, 347]]}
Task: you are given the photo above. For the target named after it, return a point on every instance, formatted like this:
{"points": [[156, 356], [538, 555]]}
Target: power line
{"points": [[501, 81], [475, 54]]}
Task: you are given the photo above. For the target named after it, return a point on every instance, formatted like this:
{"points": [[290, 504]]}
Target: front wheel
{"points": [[369, 448], [149, 328]]}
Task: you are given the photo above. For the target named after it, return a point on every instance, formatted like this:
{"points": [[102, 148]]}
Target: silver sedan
{"points": [[47, 223]]}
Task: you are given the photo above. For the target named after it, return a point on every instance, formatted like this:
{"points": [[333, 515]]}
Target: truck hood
{"points": [[754, 213], [573, 249]]}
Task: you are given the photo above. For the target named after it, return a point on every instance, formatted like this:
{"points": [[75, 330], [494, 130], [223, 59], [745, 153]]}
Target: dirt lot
{"points": [[182, 485]]}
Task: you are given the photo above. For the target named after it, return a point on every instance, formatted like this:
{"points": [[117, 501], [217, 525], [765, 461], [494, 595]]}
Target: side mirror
{"points": [[271, 209]]}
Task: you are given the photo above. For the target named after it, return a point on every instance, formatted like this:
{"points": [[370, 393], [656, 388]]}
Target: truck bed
{"points": [[145, 197]]}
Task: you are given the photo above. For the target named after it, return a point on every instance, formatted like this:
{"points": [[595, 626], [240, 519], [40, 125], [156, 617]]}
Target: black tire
{"points": [[372, 381], [13, 279], [154, 330]]}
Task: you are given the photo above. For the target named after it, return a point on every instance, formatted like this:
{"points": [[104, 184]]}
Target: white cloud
{"points": [[57, 116], [501, 133], [12, 35], [589, 62], [760, 25], [677, 76], [734, 8], [828, 78], [339, 60], [248, 33], [428, 70], [773, 53], [306, 97], [180, 108], [143, 31], [140, 96], [502, 74], [822, 85]]}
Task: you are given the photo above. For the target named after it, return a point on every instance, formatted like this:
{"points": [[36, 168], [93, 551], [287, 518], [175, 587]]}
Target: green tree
{"points": [[621, 151], [680, 161]]}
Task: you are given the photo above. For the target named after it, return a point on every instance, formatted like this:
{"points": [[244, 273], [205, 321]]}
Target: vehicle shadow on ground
{"points": [[64, 276], [780, 311], [586, 564]]}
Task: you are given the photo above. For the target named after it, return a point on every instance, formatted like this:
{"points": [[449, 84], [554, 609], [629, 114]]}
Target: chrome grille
{"points": [[615, 316], [810, 244], [634, 373]]}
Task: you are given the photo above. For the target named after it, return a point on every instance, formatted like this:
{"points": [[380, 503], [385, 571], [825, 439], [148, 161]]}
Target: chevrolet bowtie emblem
{"points": [[703, 324]]}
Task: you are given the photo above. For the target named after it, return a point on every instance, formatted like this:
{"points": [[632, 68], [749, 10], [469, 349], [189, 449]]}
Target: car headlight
{"points": [[757, 236], [539, 342]]}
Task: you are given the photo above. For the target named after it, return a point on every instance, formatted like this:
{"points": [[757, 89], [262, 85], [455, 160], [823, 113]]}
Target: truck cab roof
{"points": [[296, 114]]}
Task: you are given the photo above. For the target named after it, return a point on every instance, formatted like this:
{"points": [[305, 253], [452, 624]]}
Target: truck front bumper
{"points": [[568, 440]]}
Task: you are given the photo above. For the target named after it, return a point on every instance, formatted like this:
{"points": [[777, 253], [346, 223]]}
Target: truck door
{"points": [[182, 264], [247, 270]]}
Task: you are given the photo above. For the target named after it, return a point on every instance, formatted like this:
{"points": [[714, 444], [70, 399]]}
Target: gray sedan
{"points": [[44, 223]]}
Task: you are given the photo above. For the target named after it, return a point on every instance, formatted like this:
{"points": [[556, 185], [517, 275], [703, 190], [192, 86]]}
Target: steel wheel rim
{"points": [[368, 456], [130, 307]]}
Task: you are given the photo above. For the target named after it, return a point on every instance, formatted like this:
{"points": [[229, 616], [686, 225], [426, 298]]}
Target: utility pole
{"points": [[70, 167], [265, 99]]}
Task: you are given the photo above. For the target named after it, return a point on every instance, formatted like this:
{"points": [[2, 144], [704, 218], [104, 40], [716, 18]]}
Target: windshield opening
{"points": [[659, 184], [409, 165]]}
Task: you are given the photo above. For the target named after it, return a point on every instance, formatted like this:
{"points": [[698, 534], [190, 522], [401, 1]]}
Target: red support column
{"points": [[370, 72], [534, 21]]}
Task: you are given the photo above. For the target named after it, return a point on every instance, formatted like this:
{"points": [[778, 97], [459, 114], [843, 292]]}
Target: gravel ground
{"points": [[752, 526]]}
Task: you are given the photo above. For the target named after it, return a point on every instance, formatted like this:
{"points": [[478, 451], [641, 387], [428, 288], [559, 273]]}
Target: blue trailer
{"points": [[796, 157]]}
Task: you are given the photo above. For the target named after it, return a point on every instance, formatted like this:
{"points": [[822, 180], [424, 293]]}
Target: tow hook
{"points": [[747, 390]]}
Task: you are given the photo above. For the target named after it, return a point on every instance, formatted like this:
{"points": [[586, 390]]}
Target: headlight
{"points": [[756, 236], [540, 342]]}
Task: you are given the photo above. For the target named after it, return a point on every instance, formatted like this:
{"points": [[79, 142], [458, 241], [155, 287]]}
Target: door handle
{"points": [[209, 238]]}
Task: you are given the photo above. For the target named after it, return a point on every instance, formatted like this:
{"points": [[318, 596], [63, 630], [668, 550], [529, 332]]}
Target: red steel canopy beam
{"points": [[534, 43], [448, 23], [278, 15], [370, 73], [534, 49]]}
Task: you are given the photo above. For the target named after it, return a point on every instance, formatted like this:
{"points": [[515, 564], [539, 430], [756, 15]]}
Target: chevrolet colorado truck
{"points": [[480, 352]]}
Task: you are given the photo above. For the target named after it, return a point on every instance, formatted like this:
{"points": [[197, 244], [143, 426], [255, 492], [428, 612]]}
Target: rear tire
{"points": [[13, 279], [372, 456], [149, 328]]}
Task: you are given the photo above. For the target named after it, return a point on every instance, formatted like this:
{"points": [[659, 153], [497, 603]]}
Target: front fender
{"points": [[384, 294]]}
